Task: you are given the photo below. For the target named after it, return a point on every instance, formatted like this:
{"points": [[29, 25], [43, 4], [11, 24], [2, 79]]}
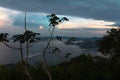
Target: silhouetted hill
{"points": [[85, 43]]}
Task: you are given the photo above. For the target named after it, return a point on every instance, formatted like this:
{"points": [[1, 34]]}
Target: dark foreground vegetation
{"points": [[83, 67]]}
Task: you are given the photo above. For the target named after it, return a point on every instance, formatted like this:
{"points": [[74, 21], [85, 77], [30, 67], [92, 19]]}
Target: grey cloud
{"points": [[96, 9], [78, 32], [82, 32]]}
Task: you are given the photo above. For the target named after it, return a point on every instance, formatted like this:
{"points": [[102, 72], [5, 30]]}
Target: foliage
{"points": [[27, 36], [53, 22], [3, 37], [110, 43], [83, 67]]}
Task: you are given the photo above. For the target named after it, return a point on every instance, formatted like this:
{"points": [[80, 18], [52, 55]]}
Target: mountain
{"points": [[84, 43]]}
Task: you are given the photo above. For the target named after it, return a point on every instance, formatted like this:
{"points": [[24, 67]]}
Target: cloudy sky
{"points": [[87, 18]]}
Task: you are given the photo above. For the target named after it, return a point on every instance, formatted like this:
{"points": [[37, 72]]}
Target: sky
{"points": [[87, 18]]}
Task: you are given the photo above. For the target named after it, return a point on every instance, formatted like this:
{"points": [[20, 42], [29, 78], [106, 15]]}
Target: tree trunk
{"points": [[24, 64]]}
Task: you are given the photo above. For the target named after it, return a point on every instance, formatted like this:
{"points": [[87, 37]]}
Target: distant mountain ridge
{"points": [[85, 43]]}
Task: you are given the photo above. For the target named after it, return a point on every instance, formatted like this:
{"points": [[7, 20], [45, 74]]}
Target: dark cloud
{"points": [[96, 9]]}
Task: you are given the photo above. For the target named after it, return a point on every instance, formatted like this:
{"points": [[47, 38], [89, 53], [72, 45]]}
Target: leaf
{"points": [[3, 37], [59, 38], [55, 20]]}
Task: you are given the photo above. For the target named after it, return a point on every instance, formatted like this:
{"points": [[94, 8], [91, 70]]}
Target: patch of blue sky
{"points": [[32, 20]]}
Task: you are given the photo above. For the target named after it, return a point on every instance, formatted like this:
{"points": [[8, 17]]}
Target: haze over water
{"points": [[8, 56]]}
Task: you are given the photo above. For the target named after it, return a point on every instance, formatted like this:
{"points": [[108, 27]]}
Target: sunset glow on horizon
{"points": [[14, 19]]}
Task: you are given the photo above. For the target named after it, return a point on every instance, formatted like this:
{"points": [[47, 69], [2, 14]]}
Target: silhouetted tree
{"points": [[4, 39], [53, 21], [29, 37], [110, 43]]}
